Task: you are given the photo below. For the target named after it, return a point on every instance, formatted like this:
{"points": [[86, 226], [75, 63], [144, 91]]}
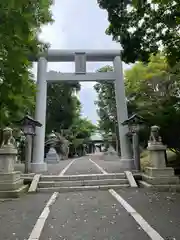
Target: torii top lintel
{"points": [[55, 55]]}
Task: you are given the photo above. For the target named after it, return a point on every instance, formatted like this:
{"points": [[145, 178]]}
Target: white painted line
{"points": [[52, 199], [131, 179], [66, 168], [151, 232], [100, 168], [36, 232], [34, 183]]}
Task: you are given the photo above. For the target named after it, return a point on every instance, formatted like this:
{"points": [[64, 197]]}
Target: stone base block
{"points": [[7, 163], [167, 188], [9, 177], [14, 193], [7, 159], [161, 188], [38, 167], [10, 186], [157, 155], [159, 172], [160, 180]]}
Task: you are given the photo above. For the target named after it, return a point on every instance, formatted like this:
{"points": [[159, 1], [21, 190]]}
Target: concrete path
{"points": [[108, 215]]}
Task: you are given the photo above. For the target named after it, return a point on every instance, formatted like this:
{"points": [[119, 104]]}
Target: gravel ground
{"points": [[18, 216], [82, 166], [160, 210], [90, 215]]}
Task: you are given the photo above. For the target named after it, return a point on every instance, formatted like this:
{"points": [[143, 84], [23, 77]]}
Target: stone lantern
{"points": [[52, 156], [135, 123], [28, 125]]}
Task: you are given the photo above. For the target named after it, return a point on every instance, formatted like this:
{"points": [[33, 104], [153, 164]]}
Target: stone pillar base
{"points": [[127, 164], [110, 157], [38, 167], [158, 176], [11, 185]]}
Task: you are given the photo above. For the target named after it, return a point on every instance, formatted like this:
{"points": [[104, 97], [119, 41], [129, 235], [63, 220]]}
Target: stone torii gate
{"points": [[80, 58]]}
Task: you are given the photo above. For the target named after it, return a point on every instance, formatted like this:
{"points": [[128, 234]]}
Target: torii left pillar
{"points": [[38, 164]]}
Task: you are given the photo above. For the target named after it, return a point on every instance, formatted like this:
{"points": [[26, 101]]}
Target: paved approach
{"points": [[126, 214]]}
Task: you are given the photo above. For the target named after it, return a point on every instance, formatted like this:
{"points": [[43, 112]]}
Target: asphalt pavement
{"points": [[91, 214], [160, 209], [18, 216], [82, 166]]}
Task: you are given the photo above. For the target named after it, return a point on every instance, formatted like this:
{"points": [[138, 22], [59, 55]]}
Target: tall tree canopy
{"points": [[63, 107], [106, 103], [64, 113], [152, 91], [20, 25], [143, 27]]}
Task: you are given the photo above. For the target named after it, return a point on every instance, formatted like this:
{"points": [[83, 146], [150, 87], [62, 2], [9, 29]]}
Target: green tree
{"points": [[63, 107], [106, 103], [82, 128], [107, 111], [80, 133], [63, 115], [153, 89], [144, 27], [20, 25]]}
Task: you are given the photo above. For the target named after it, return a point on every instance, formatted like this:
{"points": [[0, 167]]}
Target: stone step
{"points": [[45, 178], [161, 187], [44, 184], [161, 180], [28, 176], [167, 188], [14, 193], [81, 188]]}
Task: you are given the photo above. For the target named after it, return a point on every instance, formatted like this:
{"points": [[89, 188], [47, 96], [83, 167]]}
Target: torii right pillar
{"points": [[127, 161]]}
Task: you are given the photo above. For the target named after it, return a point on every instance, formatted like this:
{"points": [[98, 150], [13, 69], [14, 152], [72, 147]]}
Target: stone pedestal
{"points": [[157, 155], [159, 174], [52, 156], [11, 185], [38, 167]]}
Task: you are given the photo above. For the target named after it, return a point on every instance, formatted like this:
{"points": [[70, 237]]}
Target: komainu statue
{"points": [[7, 137], [155, 137]]}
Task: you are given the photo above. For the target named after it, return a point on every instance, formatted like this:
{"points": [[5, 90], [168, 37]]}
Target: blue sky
{"points": [[79, 24]]}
